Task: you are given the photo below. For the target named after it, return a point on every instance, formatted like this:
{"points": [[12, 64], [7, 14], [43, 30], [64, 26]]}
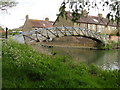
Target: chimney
{"points": [[100, 15], [27, 17], [46, 19]]}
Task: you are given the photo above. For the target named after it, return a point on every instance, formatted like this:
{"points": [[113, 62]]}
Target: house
{"points": [[95, 23], [31, 24]]}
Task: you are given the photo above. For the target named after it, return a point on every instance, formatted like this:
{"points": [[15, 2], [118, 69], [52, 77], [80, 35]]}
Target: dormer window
{"points": [[44, 25], [95, 20]]}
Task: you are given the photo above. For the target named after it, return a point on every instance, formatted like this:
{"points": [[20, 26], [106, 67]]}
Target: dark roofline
{"points": [[96, 24], [86, 22], [99, 23]]}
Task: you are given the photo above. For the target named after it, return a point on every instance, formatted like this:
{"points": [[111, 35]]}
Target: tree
{"points": [[78, 6], [5, 4], [114, 14]]}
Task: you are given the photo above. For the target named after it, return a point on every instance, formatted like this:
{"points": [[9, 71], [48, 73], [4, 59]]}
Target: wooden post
{"points": [[118, 28], [6, 34], [87, 25], [36, 36], [24, 39]]}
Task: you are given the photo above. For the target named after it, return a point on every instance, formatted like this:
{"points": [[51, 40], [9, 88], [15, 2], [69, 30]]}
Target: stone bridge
{"points": [[48, 34]]}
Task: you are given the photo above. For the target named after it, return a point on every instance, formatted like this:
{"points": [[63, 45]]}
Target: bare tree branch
{"points": [[5, 4]]}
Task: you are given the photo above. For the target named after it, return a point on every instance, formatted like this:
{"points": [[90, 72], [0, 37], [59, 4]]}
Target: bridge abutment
{"points": [[72, 41]]}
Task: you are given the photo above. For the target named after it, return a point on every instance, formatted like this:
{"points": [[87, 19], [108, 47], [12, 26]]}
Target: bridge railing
{"points": [[48, 33]]}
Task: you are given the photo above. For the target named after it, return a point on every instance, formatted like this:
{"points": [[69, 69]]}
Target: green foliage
{"points": [[23, 67], [119, 43], [76, 16], [106, 47], [110, 45], [114, 44], [62, 11], [101, 46]]}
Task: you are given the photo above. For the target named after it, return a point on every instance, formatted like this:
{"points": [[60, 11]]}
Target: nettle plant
{"points": [[77, 8]]}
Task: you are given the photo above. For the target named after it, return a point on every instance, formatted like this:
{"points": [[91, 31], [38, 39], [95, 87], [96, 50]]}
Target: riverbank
{"points": [[71, 41], [23, 67], [73, 45], [109, 46], [81, 42]]}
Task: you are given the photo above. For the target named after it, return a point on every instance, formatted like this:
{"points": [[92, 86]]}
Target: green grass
{"points": [[23, 67]]}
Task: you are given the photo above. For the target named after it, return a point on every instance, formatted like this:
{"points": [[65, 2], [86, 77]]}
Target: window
{"points": [[108, 27], [114, 28], [99, 28], [102, 28], [84, 25], [93, 27], [88, 26]]}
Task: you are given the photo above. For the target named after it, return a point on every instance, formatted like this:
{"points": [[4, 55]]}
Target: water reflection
{"points": [[108, 59]]}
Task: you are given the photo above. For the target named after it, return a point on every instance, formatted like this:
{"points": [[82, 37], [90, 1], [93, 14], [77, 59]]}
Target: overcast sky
{"points": [[36, 9]]}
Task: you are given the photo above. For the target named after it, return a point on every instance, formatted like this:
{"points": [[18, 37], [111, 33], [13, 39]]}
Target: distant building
{"points": [[31, 24], [95, 23], [18, 29], [2, 32]]}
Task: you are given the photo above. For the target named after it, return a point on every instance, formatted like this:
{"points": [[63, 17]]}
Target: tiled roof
{"points": [[40, 23], [92, 20]]}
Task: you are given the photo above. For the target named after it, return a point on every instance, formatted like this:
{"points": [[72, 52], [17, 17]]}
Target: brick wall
{"points": [[114, 38]]}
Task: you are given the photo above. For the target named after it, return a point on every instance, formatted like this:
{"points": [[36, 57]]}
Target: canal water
{"points": [[107, 59]]}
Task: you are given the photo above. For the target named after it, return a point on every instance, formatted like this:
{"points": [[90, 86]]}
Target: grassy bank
{"points": [[23, 67]]}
